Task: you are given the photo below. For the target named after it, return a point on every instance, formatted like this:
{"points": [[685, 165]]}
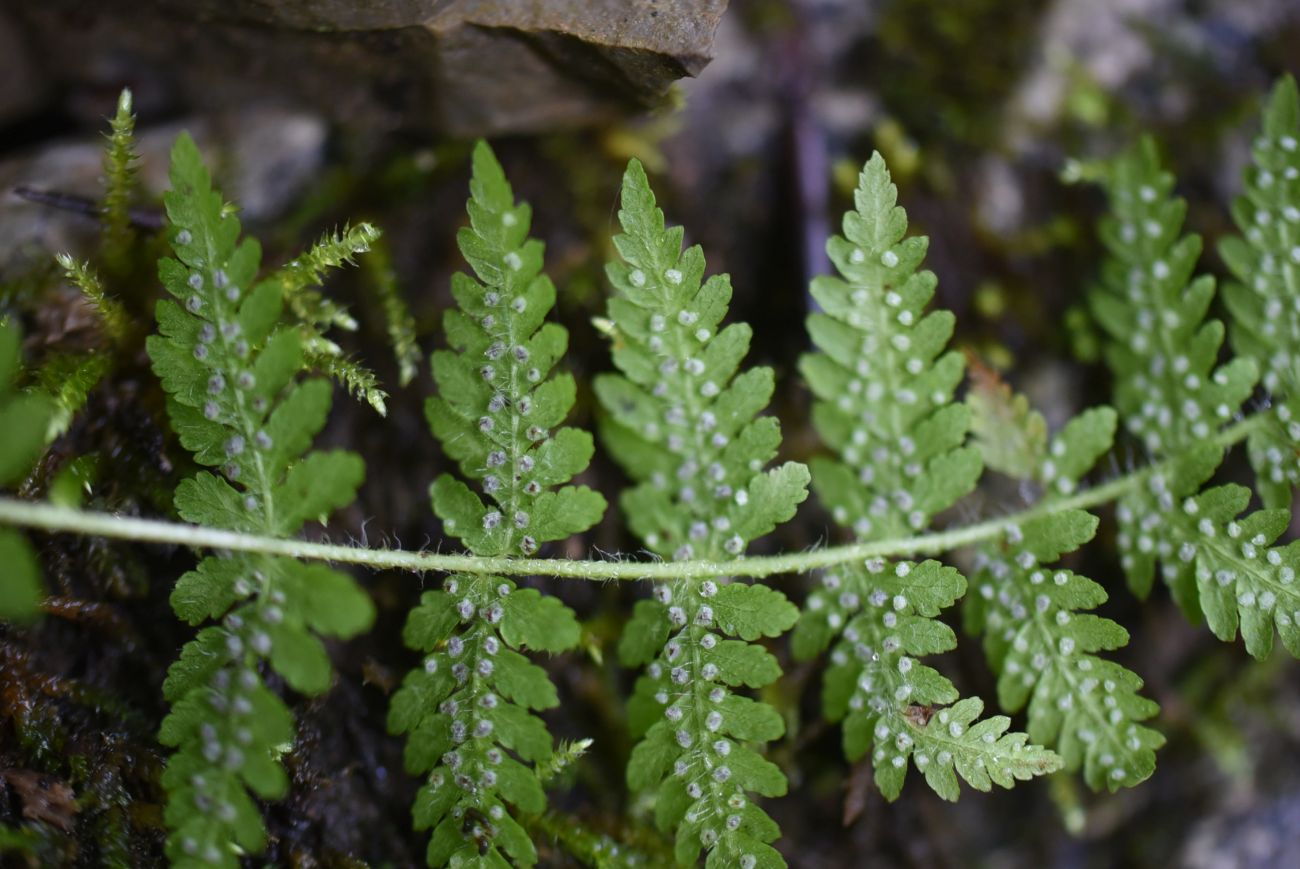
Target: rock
{"points": [[462, 67], [264, 159]]}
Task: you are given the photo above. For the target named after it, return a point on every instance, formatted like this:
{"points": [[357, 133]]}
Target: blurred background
{"points": [[753, 119]]}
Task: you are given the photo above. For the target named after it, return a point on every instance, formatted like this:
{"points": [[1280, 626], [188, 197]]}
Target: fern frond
{"points": [[378, 267], [468, 712], [120, 169], [1262, 300], [1169, 393], [683, 424], [237, 403], [884, 403], [1163, 356], [116, 323], [24, 419], [1163, 352]]}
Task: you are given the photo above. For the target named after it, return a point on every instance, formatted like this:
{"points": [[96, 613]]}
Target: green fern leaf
{"points": [[1164, 353], [880, 378], [954, 742], [1042, 648], [1265, 261], [237, 404], [884, 403], [681, 422], [468, 712]]}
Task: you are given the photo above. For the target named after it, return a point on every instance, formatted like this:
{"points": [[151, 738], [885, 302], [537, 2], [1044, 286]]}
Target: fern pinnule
{"points": [[1027, 611], [236, 402], [468, 711], [682, 424], [884, 403]]}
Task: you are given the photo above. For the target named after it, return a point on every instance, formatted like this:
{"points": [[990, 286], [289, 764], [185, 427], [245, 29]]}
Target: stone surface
{"points": [[464, 67], [264, 160]]}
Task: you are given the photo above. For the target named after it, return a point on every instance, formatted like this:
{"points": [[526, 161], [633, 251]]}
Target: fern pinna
{"points": [[467, 711], [1265, 298], [1172, 396], [682, 424], [1035, 638], [885, 405], [237, 403]]}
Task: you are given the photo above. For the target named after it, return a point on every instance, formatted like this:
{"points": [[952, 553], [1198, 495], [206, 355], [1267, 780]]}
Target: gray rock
{"points": [[464, 67], [263, 158]]}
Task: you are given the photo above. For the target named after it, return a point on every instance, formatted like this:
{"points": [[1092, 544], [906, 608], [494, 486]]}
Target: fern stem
{"points": [[48, 517]]}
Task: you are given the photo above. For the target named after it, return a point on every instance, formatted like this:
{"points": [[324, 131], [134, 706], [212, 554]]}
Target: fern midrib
{"points": [[1061, 663], [683, 594], [1289, 375], [247, 658], [245, 420], [694, 412], [264, 577], [516, 419], [897, 523], [1244, 567], [1170, 385]]}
